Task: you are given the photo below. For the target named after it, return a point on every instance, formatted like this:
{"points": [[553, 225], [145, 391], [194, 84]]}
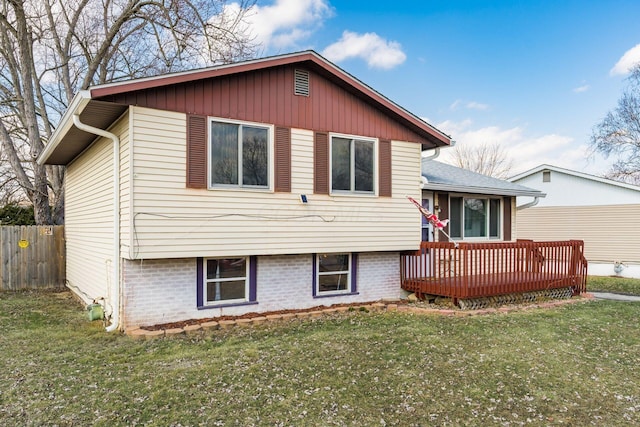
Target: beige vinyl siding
{"points": [[171, 220], [89, 221], [610, 233], [122, 129]]}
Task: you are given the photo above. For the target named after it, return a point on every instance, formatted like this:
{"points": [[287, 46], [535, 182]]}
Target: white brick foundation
{"points": [[164, 291]]}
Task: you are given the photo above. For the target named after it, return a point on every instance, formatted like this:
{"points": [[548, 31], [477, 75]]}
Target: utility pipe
{"points": [[115, 283]]}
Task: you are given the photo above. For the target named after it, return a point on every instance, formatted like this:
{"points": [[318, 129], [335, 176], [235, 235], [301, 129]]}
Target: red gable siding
{"points": [[266, 96]]}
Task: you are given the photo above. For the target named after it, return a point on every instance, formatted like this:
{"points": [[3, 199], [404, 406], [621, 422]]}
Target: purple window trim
{"points": [[237, 304], [200, 281], [354, 273], [253, 279], [354, 277], [314, 273], [336, 295], [253, 286]]}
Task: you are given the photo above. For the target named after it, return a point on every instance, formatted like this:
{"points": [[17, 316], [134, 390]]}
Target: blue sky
{"points": [[533, 76]]}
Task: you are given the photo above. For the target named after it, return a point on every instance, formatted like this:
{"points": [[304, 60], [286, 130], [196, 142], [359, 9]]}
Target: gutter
{"points": [[528, 205], [78, 104], [115, 283]]}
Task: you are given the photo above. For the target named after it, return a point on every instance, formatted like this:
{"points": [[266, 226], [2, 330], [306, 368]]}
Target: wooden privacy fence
{"points": [[474, 270], [32, 257]]}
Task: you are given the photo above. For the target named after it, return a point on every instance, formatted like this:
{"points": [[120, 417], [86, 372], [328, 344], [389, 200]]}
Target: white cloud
{"points": [[477, 106], [527, 151], [284, 23], [376, 51], [628, 60], [470, 105], [582, 88]]}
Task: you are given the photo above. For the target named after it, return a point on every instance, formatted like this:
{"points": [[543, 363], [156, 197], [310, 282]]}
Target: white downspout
{"points": [[528, 205], [115, 283], [435, 154], [436, 151]]}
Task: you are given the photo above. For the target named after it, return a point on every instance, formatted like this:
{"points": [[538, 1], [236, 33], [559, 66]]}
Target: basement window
{"points": [[334, 274], [226, 281]]}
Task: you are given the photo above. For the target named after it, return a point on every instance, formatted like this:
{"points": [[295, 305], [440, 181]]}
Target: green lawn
{"points": [[613, 284], [572, 365]]}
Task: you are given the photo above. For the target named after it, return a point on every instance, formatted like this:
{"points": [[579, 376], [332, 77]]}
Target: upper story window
{"points": [[471, 217], [240, 155], [352, 165]]}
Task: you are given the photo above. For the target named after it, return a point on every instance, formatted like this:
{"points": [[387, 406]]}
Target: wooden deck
{"points": [[475, 270]]}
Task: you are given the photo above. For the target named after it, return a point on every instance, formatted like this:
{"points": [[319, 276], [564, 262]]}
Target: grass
{"points": [[620, 285], [571, 365]]}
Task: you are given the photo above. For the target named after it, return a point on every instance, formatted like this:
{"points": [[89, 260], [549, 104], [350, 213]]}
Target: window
{"points": [[239, 155], [226, 281], [474, 218], [352, 165], [426, 225], [334, 274]]}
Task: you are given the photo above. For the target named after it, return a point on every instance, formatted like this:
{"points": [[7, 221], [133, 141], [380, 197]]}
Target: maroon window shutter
{"points": [[384, 168], [321, 163], [196, 151], [282, 154], [506, 213]]}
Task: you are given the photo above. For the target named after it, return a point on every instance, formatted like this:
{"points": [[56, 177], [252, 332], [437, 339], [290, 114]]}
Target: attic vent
{"points": [[301, 83], [546, 176]]}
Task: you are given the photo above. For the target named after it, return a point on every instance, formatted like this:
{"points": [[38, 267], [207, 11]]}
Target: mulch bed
{"points": [[252, 315]]}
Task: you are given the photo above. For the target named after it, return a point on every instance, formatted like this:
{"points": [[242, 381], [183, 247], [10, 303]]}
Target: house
{"points": [[271, 184], [479, 207], [476, 261], [602, 212]]}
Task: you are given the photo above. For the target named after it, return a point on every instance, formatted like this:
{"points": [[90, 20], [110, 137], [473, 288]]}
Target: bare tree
{"points": [[488, 159], [618, 134], [50, 49]]}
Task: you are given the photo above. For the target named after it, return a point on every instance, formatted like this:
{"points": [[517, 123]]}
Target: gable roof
{"points": [[546, 167], [93, 107], [443, 177]]}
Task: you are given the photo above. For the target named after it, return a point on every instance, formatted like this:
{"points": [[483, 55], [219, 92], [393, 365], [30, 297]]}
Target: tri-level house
{"points": [[277, 183]]}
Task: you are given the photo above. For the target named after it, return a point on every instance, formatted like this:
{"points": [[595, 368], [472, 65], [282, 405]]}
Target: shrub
{"points": [[17, 215]]}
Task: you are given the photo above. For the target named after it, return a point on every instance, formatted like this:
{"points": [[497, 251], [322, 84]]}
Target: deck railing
{"points": [[473, 270]]}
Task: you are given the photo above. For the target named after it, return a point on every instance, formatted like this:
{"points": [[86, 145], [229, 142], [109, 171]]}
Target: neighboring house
{"points": [[265, 185], [478, 207], [602, 212]]}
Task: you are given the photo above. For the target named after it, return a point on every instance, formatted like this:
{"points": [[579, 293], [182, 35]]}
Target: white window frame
{"points": [[352, 185], [206, 281], [349, 273], [270, 156], [487, 199]]}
